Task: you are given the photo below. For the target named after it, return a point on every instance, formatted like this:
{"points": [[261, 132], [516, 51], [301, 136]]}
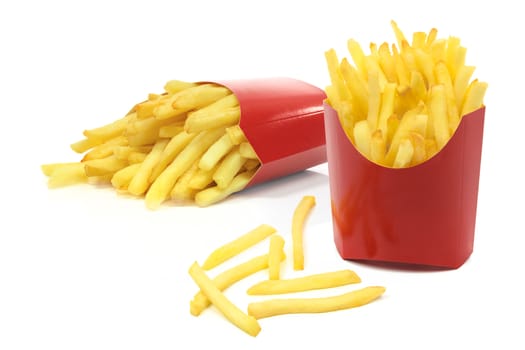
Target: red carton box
{"points": [[283, 119], [422, 215]]}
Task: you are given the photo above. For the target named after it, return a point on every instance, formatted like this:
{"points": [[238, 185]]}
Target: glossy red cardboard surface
{"points": [[420, 215], [283, 119]]}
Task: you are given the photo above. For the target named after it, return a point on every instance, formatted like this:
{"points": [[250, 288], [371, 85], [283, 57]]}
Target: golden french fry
{"points": [[202, 178], [105, 149], [358, 56], [386, 62], [323, 280], [474, 97], [387, 106], [246, 150], [400, 37], [302, 210], [357, 88], [140, 182], [419, 39], [103, 166], [228, 277], [336, 77], [215, 194], [362, 135], [194, 97], [238, 245], [111, 130], [378, 147], [236, 134], [245, 322], [461, 83], [121, 179], [182, 191], [374, 100], [171, 130], [216, 152], [418, 143], [222, 104], [282, 306], [443, 78], [228, 168], [174, 86], [453, 45], [222, 119], [136, 157], [85, 144], [64, 174], [438, 111], [404, 154], [275, 257]]}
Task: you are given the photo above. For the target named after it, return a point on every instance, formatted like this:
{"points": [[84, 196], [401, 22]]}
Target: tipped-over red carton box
{"points": [[283, 119], [423, 215]]}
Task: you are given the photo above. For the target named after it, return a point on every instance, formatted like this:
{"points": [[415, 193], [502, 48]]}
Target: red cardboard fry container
{"points": [[423, 215], [283, 119]]}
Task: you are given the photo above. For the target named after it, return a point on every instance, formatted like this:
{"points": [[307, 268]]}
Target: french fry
{"points": [[174, 86], [103, 166], [216, 152], [246, 150], [347, 300], [377, 147], [300, 214], [438, 111], [305, 283], [111, 130], [215, 194], [236, 134], [230, 276], [474, 97], [238, 245], [140, 182], [240, 319], [275, 257], [225, 118], [64, 174], [202, 178], [182, 191], [105, 149], [404, 154], [121, 179], [362, 136], [85, 144], [229, 167]]}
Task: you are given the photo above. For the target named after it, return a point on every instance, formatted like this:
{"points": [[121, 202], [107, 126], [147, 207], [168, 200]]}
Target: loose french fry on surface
{"points": [[238, 245], [425, 76], [300, 214], [347, 300], [274, 257], [304, 283], [189, 123], [240, 319]]}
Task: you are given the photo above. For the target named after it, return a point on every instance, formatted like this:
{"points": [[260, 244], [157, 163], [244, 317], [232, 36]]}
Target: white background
{"points": [[84, 268]]}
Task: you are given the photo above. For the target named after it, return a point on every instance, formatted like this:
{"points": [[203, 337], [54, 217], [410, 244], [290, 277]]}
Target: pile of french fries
{"points": [[401, 104], [184, 144], [211, 291]]}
